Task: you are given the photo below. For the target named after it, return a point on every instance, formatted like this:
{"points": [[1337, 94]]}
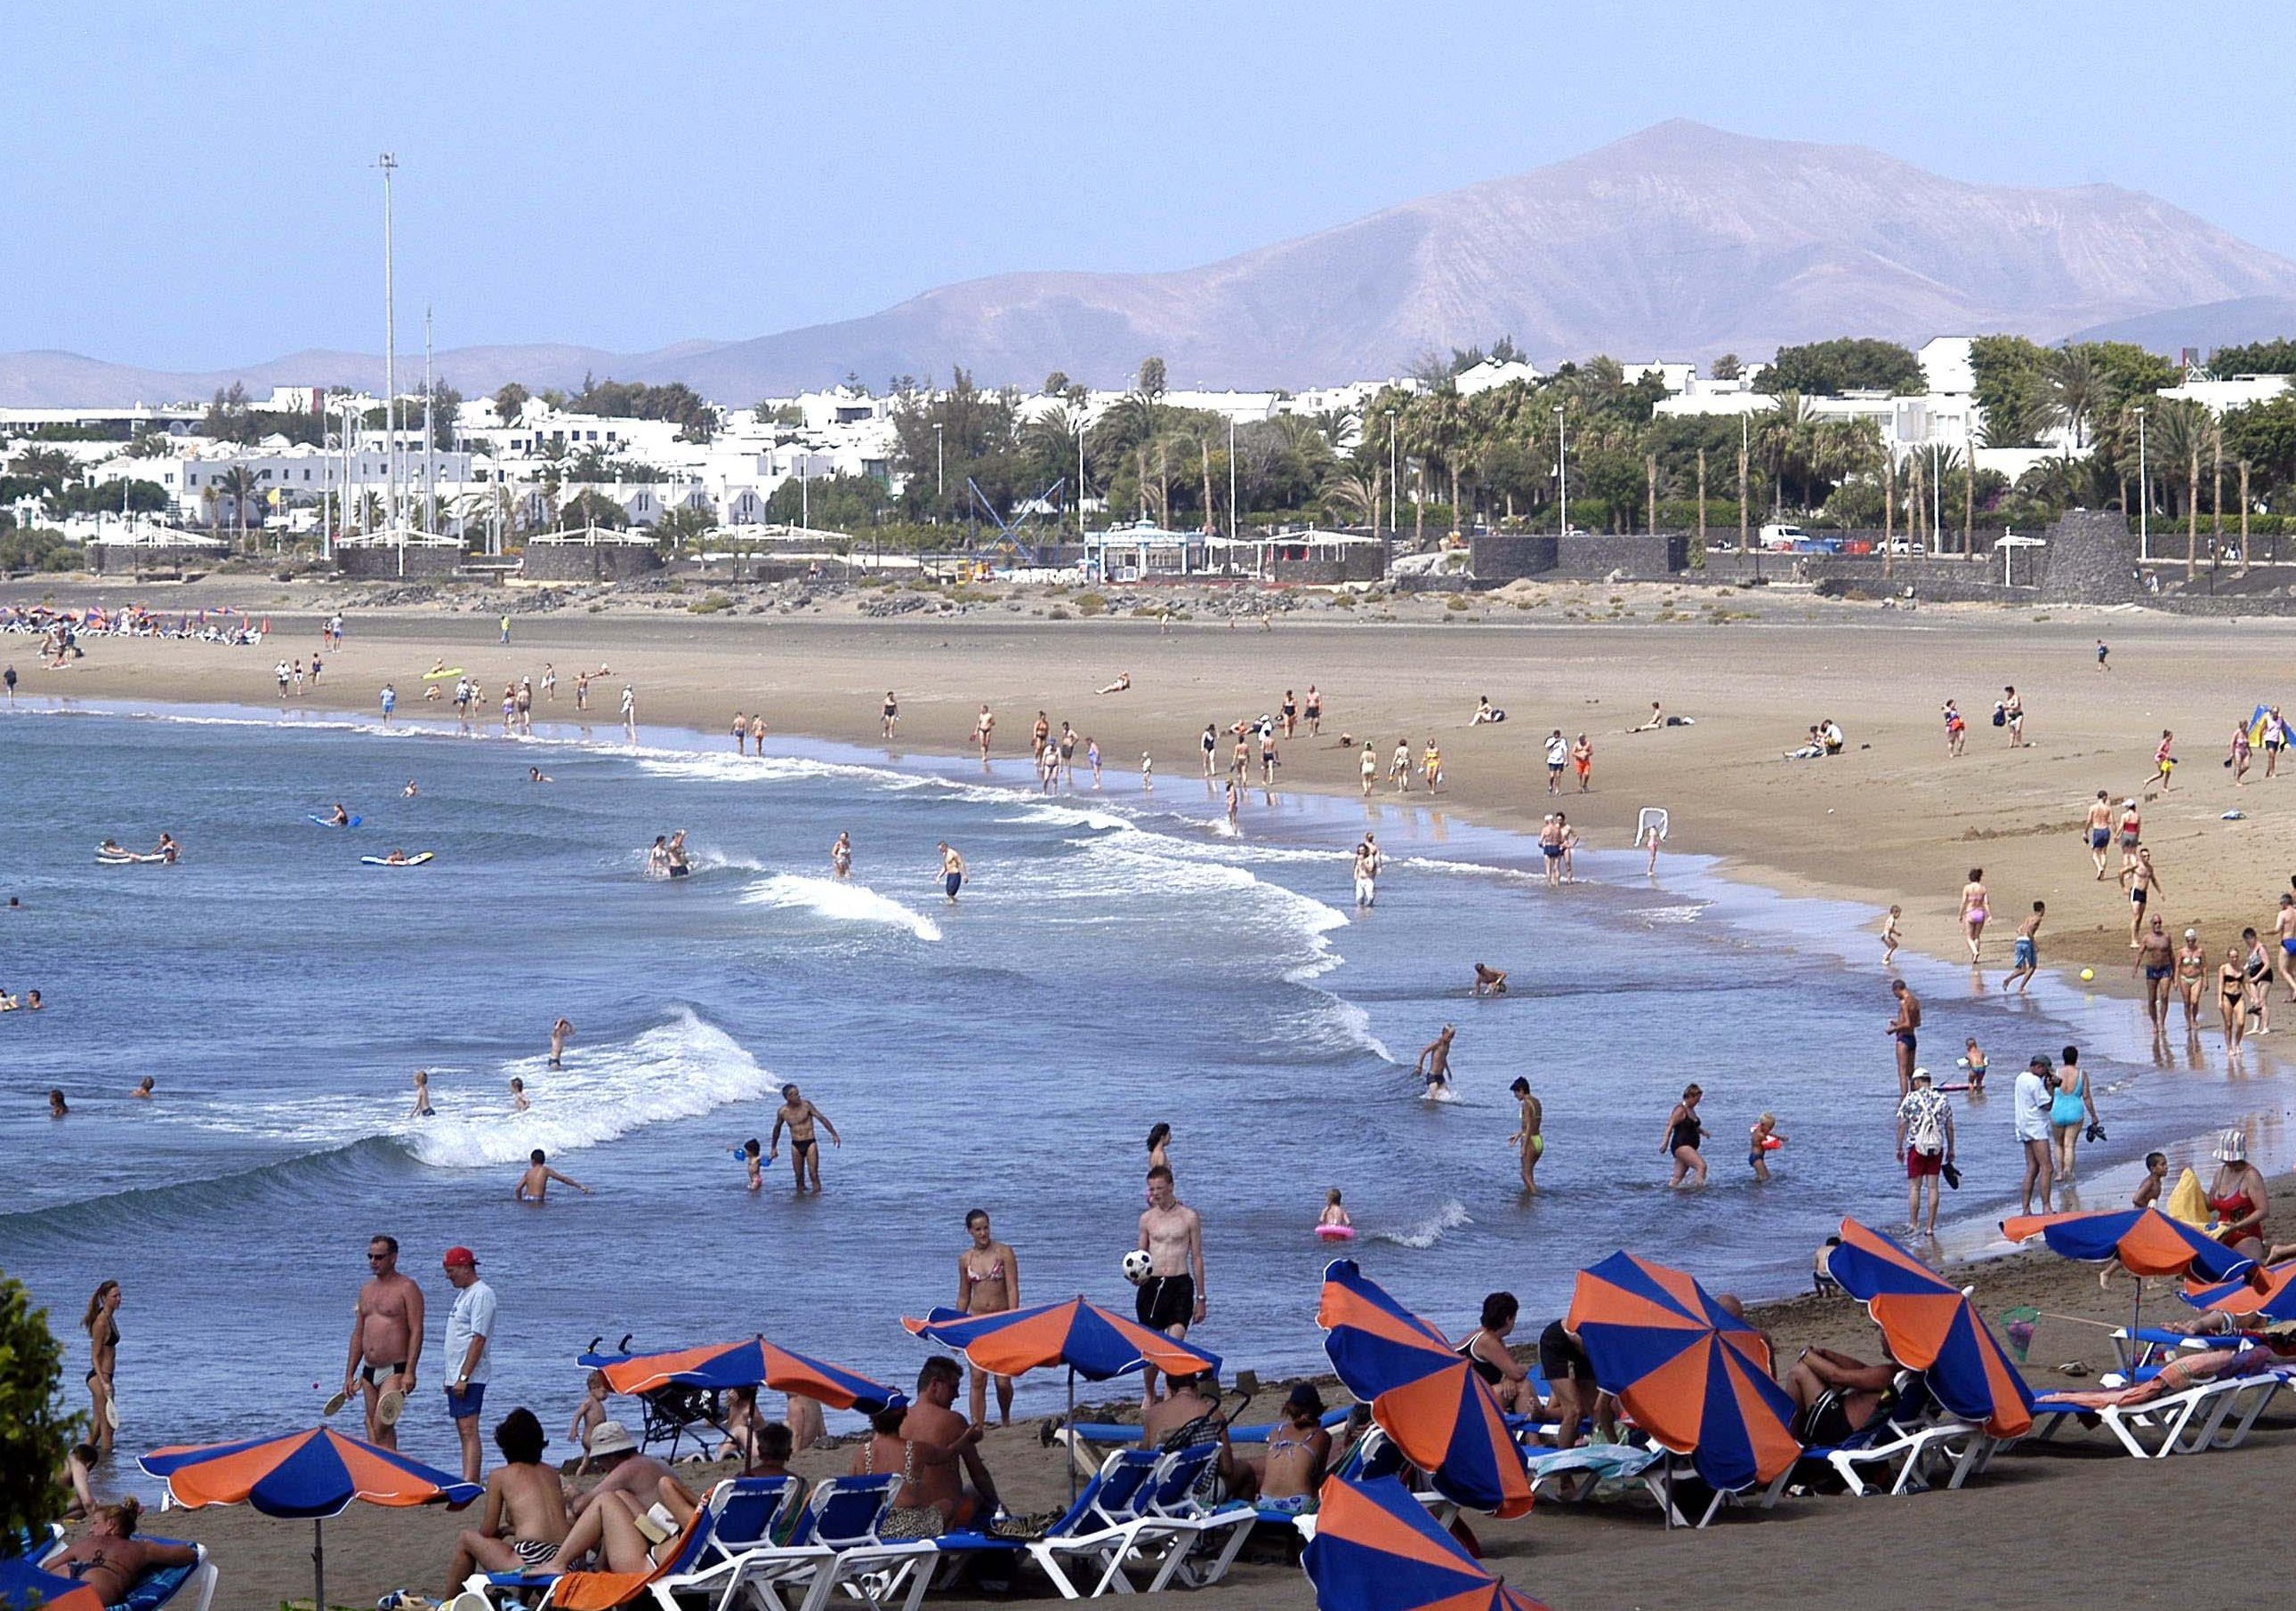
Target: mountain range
{"points": [[1681, 242]]}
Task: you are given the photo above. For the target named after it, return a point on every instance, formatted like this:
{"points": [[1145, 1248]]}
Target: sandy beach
{"points": [[1893, 820]]}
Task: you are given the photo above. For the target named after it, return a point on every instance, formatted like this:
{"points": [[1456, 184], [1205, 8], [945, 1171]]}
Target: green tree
{"points": [[2012, 388], [511, 399], [240, 485], [2255, 357], [34, 1431], [46, 468], [2263, 435], [2076, 388], [590, 507], [445, 407], [1831, 368], [687, 523], [1729, 367]]}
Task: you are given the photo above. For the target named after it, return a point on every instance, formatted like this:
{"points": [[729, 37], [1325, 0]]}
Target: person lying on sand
{"points": [[1122, 684]]}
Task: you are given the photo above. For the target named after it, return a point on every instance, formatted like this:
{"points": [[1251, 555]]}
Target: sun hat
{"points": [[2232, 1148], [460, 1255], [1922, 1074], [610, 1437]]}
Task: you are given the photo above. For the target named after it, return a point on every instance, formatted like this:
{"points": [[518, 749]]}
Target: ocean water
{"points": [[1118, 959]]}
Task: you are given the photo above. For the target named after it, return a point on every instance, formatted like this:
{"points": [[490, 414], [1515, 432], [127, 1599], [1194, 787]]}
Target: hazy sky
{"points": [[189, 187]]}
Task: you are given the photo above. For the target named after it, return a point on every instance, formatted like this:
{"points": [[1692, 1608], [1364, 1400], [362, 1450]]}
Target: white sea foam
{"points": [[839, 902], [1070, 817], [720, 768], [703, 860], [1452, 1216], [681, 1069], [1673, 914]]}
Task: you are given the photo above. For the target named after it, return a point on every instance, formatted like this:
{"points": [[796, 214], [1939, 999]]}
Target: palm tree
{"points": [[1784, 433], [1346, 495], [2077, 390], [239, 485], [2178, 433], [1342, 428]]}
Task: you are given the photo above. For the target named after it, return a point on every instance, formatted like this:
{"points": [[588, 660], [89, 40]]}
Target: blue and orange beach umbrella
{"points": [[1932, 1327], [1376, 1548], [21, 1583], [1093, 1343], [316, 1474], [1422, 1393], [1693, 1375], [2146, 1241], [755, 1363], [2267, 1295]]}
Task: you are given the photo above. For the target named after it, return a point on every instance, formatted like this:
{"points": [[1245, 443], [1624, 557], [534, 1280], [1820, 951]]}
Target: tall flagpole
{"points": [[389, 165]]}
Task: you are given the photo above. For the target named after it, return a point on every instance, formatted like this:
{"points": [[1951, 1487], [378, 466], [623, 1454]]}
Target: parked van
{"points": [[1783, 539]]}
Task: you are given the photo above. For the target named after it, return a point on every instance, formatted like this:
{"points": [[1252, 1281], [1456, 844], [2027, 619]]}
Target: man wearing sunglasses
{"points": [[386, 1342]]}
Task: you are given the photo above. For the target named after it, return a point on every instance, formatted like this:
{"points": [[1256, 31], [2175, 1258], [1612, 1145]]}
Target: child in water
{"points": [[1974, 1056], [1761, 1140], [752, 1154], [1333, 1214], [1889, 936], [518, 1102]]}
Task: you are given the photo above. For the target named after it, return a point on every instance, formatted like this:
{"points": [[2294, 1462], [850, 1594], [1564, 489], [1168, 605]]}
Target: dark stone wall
{"points": [[1639, 554], [382, 565], [1361, 564], [588, 561], [111, 558], [1504, 556]]}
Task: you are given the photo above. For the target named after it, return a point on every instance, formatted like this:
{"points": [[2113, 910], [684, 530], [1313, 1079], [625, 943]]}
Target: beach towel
{"points": [[2185, 1203], [604, 1590]]}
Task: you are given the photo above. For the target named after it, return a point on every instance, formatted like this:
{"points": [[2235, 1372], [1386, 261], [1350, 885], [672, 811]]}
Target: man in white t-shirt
{"points": [[469, 1329], [1558, 750], [2035, 1089]]}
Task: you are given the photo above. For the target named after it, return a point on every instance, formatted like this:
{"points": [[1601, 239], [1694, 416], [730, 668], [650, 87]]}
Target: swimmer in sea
{"points": [[840, 856], [1905, 1029], [1764, 1130], [805, 1151], [142, 1091], [1889, 936], [111, 847], [1489, 980], [1232, 802], [753, 1160], [1975, 1058], [1335, 1212], [421, 1108], [410, 791], [988, 1282], [518, 1102], [1529, 1140], [338, 818], [537, 775], [952, 872], [57, 1107], [534, 1185], [1434, 1063], [561, 1032], [2026, 954]]}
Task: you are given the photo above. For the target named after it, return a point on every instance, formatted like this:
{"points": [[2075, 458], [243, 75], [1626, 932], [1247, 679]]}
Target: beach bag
{"points": [[2000, 715], [1928, 1136]]}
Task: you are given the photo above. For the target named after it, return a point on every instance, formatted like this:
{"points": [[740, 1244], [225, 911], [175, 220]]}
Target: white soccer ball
{"points": [[1136, 1267]]}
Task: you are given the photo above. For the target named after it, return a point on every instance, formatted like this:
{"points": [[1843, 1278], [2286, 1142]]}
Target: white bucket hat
{"points": [[2232, 1148]]}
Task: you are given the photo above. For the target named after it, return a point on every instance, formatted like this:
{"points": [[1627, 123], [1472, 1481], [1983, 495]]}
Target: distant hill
{"points": [[2208, 326], [1682, 242]]}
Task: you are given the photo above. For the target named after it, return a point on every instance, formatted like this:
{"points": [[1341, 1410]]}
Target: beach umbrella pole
{"points": [[1071, 1459], [318, 1564]]}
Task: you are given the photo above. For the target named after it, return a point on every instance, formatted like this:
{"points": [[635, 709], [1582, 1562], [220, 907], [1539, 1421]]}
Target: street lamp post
{"points": [[389, 165], [1394, 506], [2144, 495], [1231, 479], [1561, 478], [940, 470]]}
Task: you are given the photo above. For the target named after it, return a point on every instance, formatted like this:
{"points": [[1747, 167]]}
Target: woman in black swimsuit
{"points": [[1487, 1351], [101, 1324], [1683, 1134]]}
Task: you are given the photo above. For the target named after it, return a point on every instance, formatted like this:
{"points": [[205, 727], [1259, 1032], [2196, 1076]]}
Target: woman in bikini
{"points": [[1298, 1450], [886, 1450], [101, 1324], [109, 1557], [1972, 911], [2232, 994], [1487, 1351], [1683, 1134], [2236, 1198], [2191, 967], [988, 1282]]}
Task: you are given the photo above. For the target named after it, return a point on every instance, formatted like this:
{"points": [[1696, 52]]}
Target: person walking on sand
{"points": [[1582, 762], [1926, 1141], [2158, 958], [389, 703], [1211, 748], [2164, 763], [1434, 1063], [469, 1329], [1889, 939], [2131, 829], [2143, 883], [952, 872], [2275, 739], [1684, 1133], [1314, 713], [1399, 767], [2232, 993], [2012, 716], [1530, 1138], [1174, 1295], [505, 630], [1370, 768], [889, 714], [1905, 1029], [1957, 730], [561, 1032], [2283, 929], [1558, 753], [101, 1324], [2035, 1089], [988, 1282], [1550, 847], [2098, 827], [386, 1341], [804, 1150], [534, 1185], [984, 725], [1973, 915], [2191, 974], [2241, 752], [2027, 952]]}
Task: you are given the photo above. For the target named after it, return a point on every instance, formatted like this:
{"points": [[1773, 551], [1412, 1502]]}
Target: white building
{"points": [[2238, 393], [1491, 374]]}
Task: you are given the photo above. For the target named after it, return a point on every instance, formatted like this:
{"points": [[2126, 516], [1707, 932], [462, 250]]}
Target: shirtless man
{"points": [[1367, 860], [386, 1338], [1529, 1139], [1489, 980], [629, 1468], [952, 872], [534, 1185], [932, 1420], [525, 1521], [2098, 827], [983, 726], [560, 1032], [2157, 956], [805, 1152], [1434, 1065], [2144, 881], [2283, 929], [1172, 1297], [1192, 1398], [2028, 954], [1905, 1029]]}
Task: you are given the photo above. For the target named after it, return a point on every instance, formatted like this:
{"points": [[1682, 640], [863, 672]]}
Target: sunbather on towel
{"points": [[109, 1557]]}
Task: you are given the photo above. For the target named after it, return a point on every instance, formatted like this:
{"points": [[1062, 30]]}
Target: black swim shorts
{"points": [[1560, 1360], [1164, 1302]]}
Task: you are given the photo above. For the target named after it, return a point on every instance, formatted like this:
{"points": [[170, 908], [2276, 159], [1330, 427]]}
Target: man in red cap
{"points": [[469, 1327]]}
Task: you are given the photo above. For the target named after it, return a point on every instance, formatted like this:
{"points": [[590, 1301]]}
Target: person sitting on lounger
{"points": [[1189, 1414], [1487, 1351], [525, 1523], [629, 1468], [1299, 1452], [933, 1421], [109, 1557], [1835, 1395], [886, 1452]]}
